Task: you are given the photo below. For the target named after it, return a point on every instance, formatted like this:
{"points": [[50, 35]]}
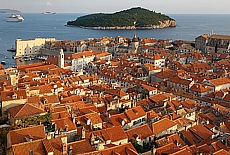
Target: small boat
{"points": [[6, 57], [27, 59], [14, 18], [11, 49], [3, 62], [48, 12], [42, 57]]}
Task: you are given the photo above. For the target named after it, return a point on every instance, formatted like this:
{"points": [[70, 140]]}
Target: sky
{"points": [[107, 6]]}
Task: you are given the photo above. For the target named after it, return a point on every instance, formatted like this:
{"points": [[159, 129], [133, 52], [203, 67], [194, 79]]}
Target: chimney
{"points": [[48, 136], [70, 150], [64, 145], [83, 133], [169, 98], [74, 121]]}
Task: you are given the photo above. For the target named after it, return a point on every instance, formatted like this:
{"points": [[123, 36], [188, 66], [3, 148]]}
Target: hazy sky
{"points": [[91, 6]]}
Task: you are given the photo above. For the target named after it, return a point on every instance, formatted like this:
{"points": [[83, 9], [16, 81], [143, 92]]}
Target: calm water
{"points": [[52, 25]]}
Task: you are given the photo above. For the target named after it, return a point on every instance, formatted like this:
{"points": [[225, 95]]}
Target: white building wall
{"points": [[30, 47]]}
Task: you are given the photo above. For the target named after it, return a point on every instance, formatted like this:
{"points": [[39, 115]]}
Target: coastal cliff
{"points": [[134, 18]]}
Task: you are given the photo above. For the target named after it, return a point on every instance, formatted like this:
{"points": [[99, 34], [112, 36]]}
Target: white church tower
{"points": [[61, 59]]}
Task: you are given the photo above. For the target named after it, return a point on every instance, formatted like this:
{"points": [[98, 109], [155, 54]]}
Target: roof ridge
{"points": [[27, 105], [34, 141], [20, 110], [26, 128]]}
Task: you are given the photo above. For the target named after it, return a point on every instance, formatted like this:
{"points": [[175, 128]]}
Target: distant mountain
{"points": [[9, 11], [134, 18]]}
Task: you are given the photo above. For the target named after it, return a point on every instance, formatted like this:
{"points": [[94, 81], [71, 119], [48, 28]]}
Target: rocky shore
{"points": [[165, 24]]}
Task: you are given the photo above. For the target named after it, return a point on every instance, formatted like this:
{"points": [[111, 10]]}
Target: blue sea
{"points": [[53, 25]]}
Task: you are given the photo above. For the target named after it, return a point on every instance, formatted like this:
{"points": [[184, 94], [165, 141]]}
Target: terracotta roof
{"points": [[221, 152], [181, 122], [80, 147], [118, 118], [64, 123], [161, 97], [59, 109], [33, 99], [217, 145], [149, 88], [167, 147], [50, 99], [201, 88], [220, 81], [13, 95], [115, 133], [217, 36], [39, 147], [25, 110], [176, 79], [116, 92], [44, 89], [82, 54], [141, 132], [201, 131], [123, 149], [58, 115], [205, 149], [190, 137], [162, 125], [93, 117], [18, 136], [74, 98], [184, 151], [151, 67], [135, 113]]}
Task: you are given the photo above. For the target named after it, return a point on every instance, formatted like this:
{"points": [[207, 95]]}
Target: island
{"points": [[10, 11], [134, 18]]}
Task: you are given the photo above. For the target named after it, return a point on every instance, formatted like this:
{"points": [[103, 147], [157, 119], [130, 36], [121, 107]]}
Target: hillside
{"points": [[134, 18], [9, 11]]}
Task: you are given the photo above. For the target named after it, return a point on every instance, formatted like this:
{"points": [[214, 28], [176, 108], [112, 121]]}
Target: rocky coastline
{"points": [[165, 24]]}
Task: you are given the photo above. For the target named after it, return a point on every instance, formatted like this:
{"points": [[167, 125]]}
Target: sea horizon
{"points": [[189, 26]]}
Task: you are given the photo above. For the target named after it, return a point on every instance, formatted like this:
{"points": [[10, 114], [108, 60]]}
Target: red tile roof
{"points": [[221, 152], [220, 81], [18, 136], [64, 123], [201, 131], [135, 113], [162, 125], [142, 132], [13, 95], [39, 147], [25, 110], [118, 118], [80, 147], [114, 134]]}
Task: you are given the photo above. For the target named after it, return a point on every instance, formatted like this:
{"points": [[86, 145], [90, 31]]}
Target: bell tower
{"points": [[61, 59]]}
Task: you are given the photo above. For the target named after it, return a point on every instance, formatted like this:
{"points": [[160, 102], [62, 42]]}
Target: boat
{"points": [[3, 62], [27, 59], [42, 57], [12, 49], [14, 18], [48, 12]]}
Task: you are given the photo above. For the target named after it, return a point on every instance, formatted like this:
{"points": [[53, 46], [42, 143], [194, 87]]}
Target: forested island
{"points": [[9, 11], [134, 18]]}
